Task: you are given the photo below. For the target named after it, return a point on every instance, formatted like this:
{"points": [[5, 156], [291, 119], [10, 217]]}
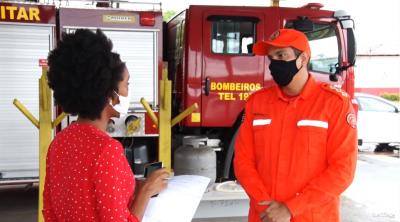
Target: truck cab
{"points": [[209, 50]]}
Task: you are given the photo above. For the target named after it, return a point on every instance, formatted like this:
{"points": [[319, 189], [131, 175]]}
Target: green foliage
{"points": [[167, 15], [392, 96]]}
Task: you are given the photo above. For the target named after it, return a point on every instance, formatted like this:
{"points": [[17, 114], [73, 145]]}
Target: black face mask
{"points": [[283, 71]]}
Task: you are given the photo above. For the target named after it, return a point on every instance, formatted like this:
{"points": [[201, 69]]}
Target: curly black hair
{"points": [[84, 72]]}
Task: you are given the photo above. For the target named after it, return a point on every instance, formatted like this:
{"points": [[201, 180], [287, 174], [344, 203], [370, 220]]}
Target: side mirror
{"points": [[351, 47], [344, 18], [347, 23]]}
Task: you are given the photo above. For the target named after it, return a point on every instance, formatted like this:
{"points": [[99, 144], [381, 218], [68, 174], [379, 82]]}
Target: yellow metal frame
{"points": [[164, 123], [275, 3], [45, 126]]}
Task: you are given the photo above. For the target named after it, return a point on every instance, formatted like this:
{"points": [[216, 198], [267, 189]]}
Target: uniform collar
{"points": [[308, 90]]}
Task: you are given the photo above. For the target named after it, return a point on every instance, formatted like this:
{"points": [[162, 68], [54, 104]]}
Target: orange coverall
{"points": [[300, 151]]}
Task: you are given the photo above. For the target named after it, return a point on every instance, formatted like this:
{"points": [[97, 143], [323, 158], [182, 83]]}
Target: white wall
{"points": [[377, 72]]}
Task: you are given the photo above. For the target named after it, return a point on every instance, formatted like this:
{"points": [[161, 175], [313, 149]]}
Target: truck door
{"points": [[230, 72]]}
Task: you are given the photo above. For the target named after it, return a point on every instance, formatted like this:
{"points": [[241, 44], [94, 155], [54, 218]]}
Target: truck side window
{"points": [[324, 48], [232, 36]]}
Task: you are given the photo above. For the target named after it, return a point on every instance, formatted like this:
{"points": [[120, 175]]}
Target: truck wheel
{"points": [[384, 147], [228, 165]]}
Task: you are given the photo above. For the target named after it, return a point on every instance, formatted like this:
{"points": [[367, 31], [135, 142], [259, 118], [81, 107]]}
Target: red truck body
{"points": [[231, 77], [211, 63]]}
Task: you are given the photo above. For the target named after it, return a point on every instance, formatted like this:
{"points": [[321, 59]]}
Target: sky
{"points": [[377, 22]]}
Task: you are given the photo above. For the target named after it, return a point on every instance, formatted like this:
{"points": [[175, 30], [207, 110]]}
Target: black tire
{"points": [[384, 147], [228, 171]]}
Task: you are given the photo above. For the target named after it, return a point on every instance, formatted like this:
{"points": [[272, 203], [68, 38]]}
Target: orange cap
{"points": [[281, 39]]}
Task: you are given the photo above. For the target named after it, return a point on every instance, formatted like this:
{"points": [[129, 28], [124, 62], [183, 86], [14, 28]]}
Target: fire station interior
{"points": [[191, 74]]}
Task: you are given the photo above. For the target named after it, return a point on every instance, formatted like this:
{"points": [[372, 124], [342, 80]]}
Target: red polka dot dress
{"points": [[87, 177]]}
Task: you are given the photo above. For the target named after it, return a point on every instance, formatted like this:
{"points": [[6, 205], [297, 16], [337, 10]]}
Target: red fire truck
{"points": [[137, 37], [27, 34], [28, 31], [210, 60], [209, 51]]}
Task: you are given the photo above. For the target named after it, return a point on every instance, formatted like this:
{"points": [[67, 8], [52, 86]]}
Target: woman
{"points": [[87, 176]]}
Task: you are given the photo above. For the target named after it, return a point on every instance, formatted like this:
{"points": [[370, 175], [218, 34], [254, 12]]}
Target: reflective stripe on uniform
{"points": [[261, 122], [316, 123]]}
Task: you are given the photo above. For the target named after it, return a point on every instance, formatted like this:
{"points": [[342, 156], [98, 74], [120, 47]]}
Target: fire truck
{"points": [[209, 50], [27, 34], [210, 62], [28, 31]]}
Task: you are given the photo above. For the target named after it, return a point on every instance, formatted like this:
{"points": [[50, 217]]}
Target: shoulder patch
{"points": [[351, 120], [335, 90]]}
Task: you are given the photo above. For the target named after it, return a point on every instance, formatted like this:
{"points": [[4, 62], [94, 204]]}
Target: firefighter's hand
{"points": [[156, 182], [276, 212]]}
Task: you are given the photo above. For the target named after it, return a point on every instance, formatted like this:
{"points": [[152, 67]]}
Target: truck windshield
{"points": [[324, 48]]}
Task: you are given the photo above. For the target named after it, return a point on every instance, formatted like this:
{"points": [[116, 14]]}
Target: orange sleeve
{"points": [[341, 158], [245, 163]]}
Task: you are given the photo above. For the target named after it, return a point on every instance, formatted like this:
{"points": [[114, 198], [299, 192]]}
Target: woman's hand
{"points": [[156, 182]]}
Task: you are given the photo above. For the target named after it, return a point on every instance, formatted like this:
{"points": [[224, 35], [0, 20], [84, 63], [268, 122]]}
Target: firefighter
{"points": [[296, 151]]}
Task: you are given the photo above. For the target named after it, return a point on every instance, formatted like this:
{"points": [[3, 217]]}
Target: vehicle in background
{"points": [[27, 34], [28, 31], [378, 121], [210, 61]]}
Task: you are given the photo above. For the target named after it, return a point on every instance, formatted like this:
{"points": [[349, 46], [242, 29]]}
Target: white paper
{"points": [[178, 203]]}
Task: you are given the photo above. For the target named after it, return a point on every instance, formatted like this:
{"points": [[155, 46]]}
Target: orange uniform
{"points": [[301, 151]]}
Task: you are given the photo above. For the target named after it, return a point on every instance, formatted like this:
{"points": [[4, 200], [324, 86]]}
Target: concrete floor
{"points": [[374, 195], [18, 204]]}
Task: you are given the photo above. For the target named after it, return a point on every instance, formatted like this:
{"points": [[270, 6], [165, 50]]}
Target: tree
{"points": [[167, 15]]}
